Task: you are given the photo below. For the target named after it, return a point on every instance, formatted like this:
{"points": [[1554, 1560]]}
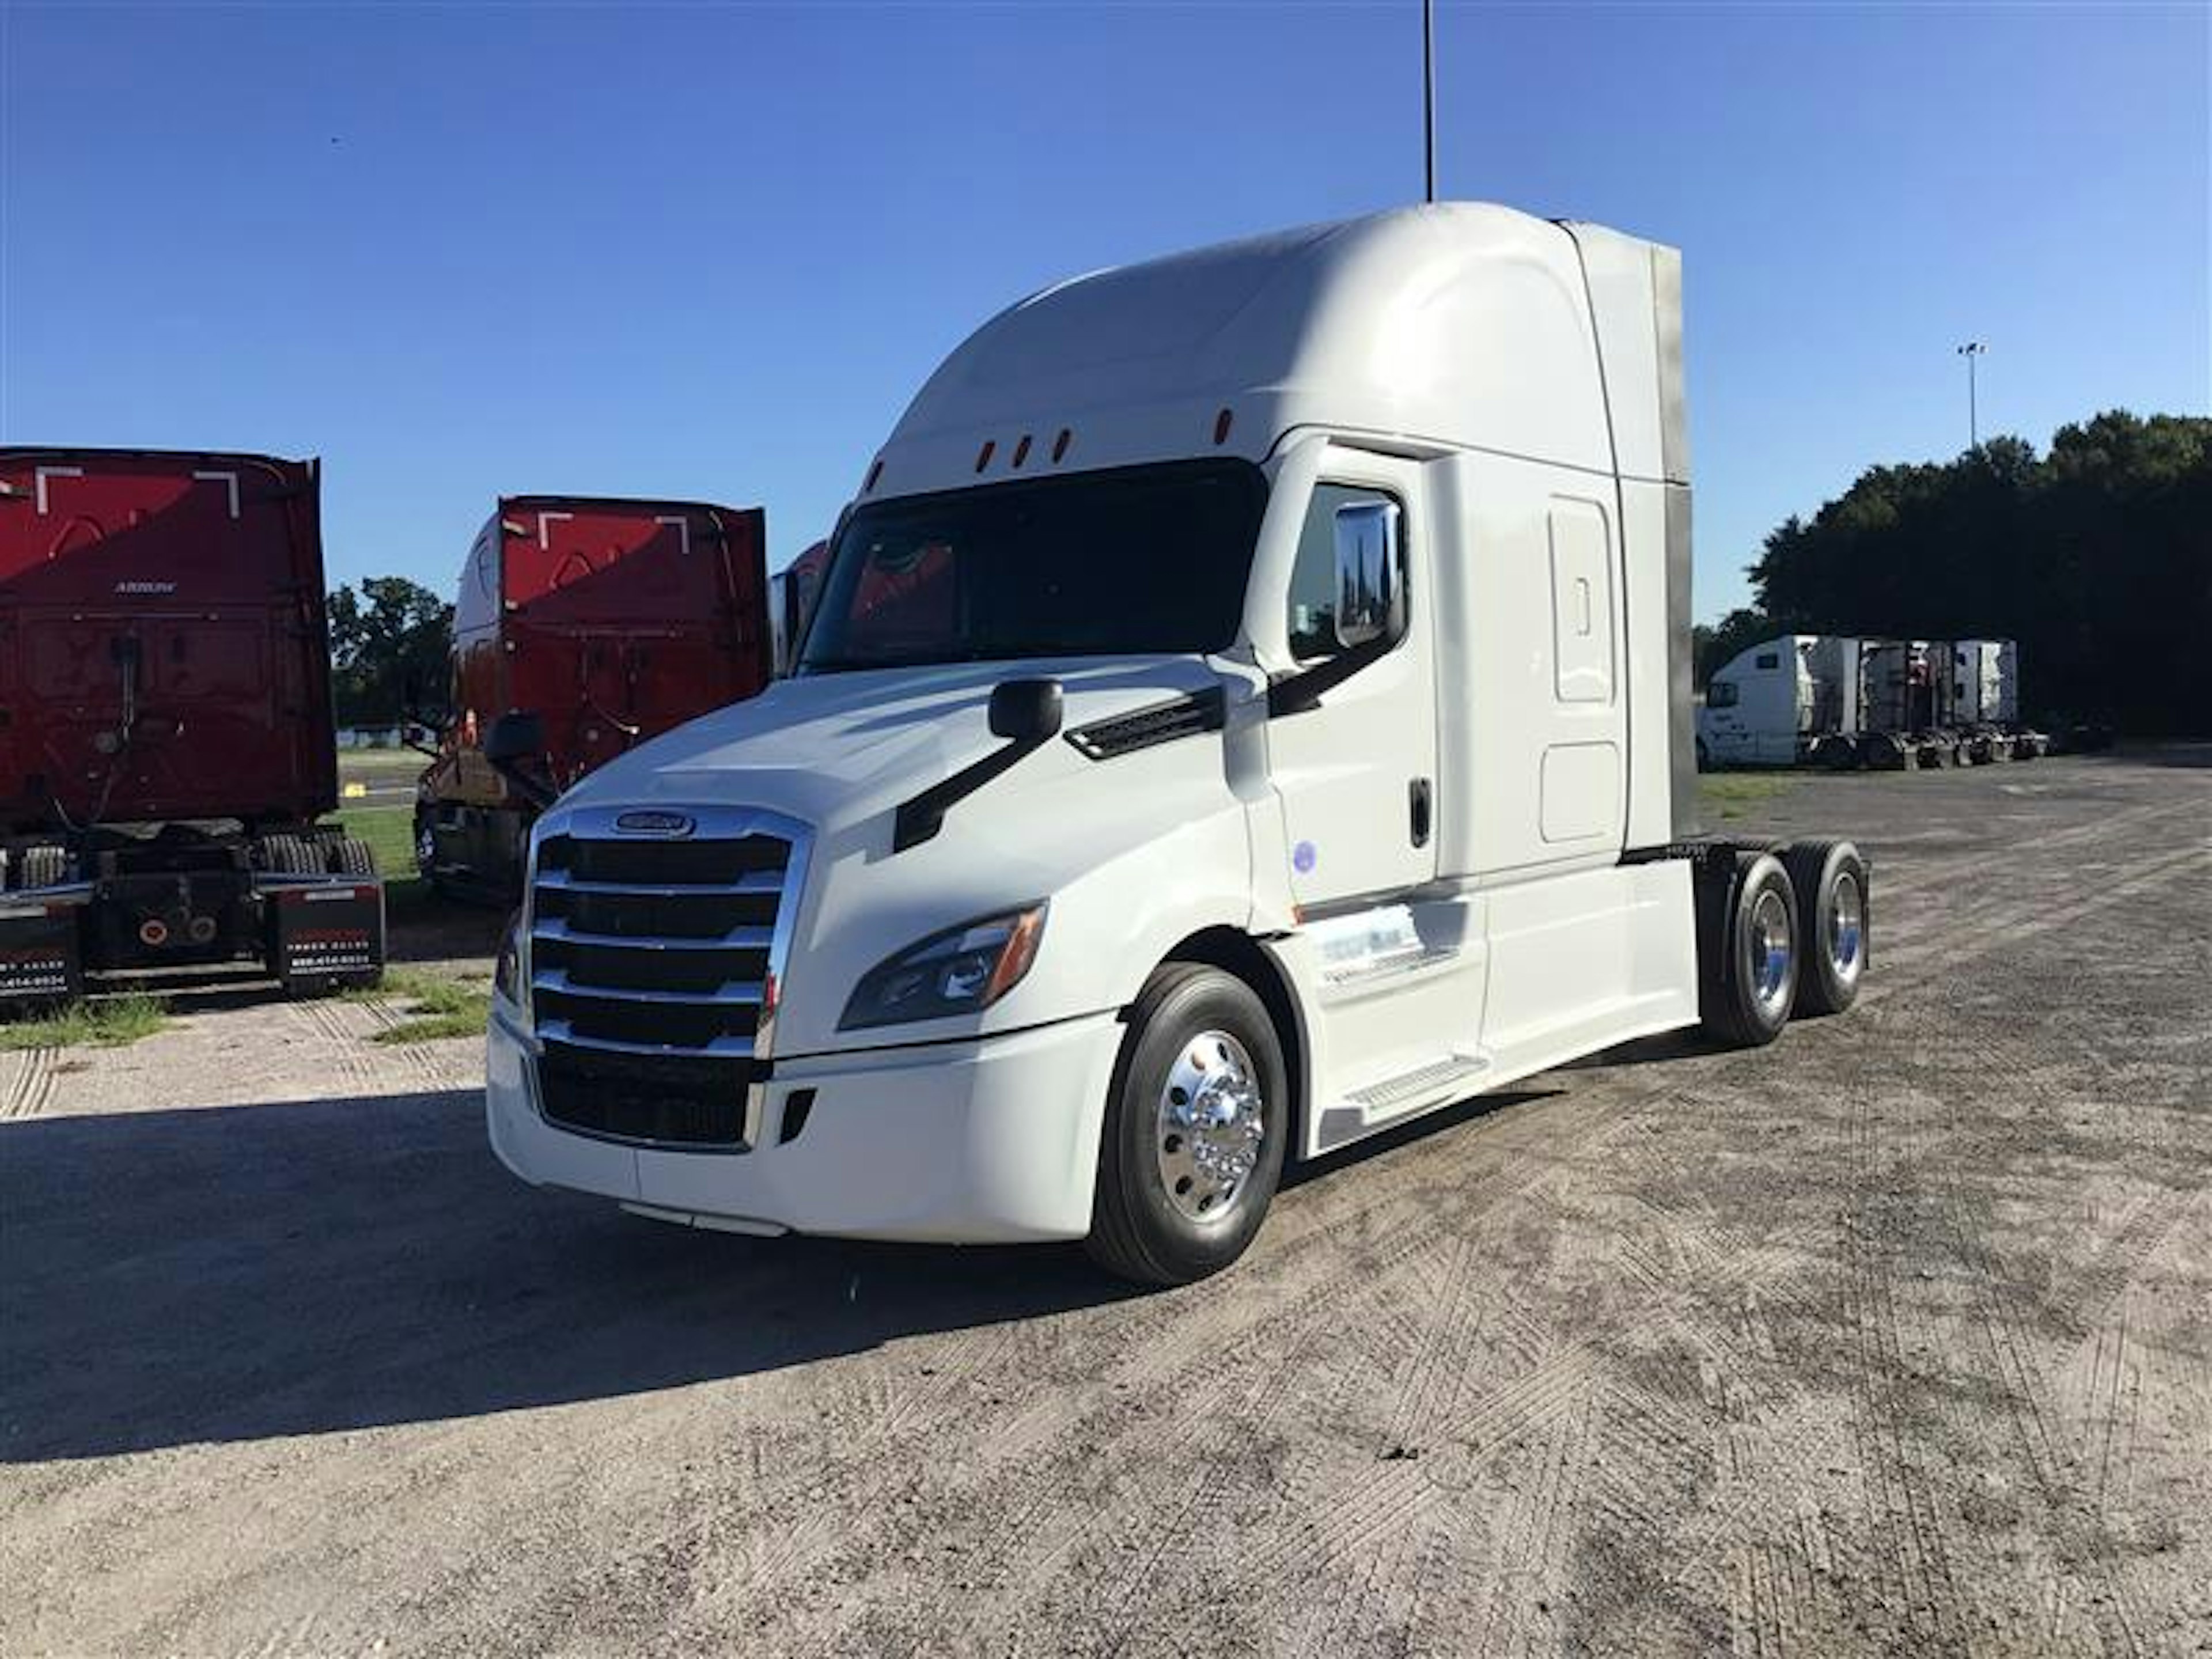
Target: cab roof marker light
{"points": [[1059, 444], [983, 455], [1221, 427], [1021, 450]]}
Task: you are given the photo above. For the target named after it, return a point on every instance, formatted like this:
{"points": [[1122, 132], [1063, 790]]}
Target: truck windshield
{"points": [[1132, 561]]}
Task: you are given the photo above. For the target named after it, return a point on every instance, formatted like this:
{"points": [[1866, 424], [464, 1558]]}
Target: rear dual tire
{"points": [[1748, 949], [1833, 911], [1780, 934]]}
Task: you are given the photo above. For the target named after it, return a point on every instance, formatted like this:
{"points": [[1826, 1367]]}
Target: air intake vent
{"points": [[1164, 722]]}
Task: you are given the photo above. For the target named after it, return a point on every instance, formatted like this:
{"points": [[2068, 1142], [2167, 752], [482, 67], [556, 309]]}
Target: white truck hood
{"points": [[832, 749], [841, 752]]}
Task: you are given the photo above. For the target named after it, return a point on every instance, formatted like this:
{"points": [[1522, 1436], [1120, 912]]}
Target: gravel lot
{"points": [[1896, 1338]]}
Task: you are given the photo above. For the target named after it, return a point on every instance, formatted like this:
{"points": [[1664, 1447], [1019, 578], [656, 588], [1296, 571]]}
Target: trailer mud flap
{"points": [[324, 935], [41, 952]]}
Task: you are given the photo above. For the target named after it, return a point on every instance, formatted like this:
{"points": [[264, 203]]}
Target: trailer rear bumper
{"points": [[322, 933], [41, 944], [984, 1141]]}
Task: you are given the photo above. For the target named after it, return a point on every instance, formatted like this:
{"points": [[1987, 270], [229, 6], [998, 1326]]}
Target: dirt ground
{"points": [[1896, 1338]]}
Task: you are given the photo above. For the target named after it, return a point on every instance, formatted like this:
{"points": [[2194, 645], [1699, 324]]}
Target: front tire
{"points": [[1197, 1122]]}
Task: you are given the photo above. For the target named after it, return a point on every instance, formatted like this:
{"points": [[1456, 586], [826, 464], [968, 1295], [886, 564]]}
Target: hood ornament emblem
{"points": [[669, 825]]}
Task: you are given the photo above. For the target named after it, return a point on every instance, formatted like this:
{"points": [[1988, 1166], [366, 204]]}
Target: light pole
{"points": [[1970, 350], [1429, 100]]}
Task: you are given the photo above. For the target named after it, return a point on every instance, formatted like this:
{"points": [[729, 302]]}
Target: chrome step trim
{"points": [[722, 1047], [733, 993], [1388, 965], [1421, 1080]]}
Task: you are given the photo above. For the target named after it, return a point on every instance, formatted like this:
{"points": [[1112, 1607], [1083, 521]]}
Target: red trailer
{"points": [[612, 620], [165, 733]]}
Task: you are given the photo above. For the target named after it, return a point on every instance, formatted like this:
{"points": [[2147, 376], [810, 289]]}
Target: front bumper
{"points": [[985, 1141]]}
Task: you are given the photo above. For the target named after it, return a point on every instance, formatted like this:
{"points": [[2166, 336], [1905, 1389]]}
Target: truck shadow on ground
{"points": [[233, 1273]]}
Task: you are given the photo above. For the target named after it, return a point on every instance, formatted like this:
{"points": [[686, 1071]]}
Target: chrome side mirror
{"points": [[1370, 574]]}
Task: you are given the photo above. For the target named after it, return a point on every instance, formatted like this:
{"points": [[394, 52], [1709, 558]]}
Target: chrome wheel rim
{"points": [[1208, 1130], [1846, 927], [1769, 945]]}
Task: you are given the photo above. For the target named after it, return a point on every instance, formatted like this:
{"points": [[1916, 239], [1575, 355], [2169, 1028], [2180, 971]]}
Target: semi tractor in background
{"points": [[612, 620], [166, 751], [1246, 706], [1839, 701], [791, 592]]}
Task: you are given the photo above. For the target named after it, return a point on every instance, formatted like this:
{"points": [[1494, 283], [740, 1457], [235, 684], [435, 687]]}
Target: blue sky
{"points": [[709, 250]]}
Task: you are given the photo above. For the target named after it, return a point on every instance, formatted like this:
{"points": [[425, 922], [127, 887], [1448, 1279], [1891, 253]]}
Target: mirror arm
{"points": [[922, 817], [1303, 690]]}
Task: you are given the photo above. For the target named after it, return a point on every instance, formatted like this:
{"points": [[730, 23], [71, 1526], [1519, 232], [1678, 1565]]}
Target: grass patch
{"points": [[110, 1022], [1727, 793], [384, 766], [390, 832], [435, 1006]]}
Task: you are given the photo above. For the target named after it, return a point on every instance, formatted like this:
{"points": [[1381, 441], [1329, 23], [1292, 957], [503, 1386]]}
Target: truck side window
{"points": [[1313, 581], [1770, 659], [1721, 694]]}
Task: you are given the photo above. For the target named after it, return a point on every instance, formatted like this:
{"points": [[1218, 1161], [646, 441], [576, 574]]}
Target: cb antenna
{"points": [[1429, 99]]}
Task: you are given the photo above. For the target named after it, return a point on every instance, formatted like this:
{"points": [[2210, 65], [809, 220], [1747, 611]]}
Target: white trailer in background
{"points": [[1246, 706]]}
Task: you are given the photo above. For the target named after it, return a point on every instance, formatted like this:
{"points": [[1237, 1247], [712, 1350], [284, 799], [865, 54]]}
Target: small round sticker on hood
{"points": [[1304, 857]]}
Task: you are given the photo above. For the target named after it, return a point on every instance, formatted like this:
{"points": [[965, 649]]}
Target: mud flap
{"points": [[324, 935], [41, 951]]}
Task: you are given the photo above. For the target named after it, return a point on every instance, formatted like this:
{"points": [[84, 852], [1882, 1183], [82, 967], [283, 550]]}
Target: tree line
{"points": [[390, 641], [2096, 558]]}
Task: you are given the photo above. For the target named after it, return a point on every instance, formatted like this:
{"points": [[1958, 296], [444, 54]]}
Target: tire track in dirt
{"points": [[1313, 1269], [1911, 1557], [1317, 1269], [324, 1024], [2013, 919], [426, 1063], [31, 1086], [1933, 872]]}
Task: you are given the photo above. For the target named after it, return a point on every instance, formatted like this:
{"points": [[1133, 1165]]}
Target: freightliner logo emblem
{"points": [[655, 823]]}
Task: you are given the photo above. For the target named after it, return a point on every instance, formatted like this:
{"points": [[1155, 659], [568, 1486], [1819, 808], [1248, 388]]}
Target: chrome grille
{"points": [[668, 948]]}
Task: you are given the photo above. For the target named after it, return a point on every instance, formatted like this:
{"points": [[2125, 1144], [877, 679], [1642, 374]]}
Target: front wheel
{"points": [[1196, 1123]]}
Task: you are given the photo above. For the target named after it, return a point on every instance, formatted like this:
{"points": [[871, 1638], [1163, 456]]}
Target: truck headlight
{"points": [[959, 972], [507, 971]]}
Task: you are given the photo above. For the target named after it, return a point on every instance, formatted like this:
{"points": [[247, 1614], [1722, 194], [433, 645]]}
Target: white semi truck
{"points": [[1246, 706], [1836, 700]]}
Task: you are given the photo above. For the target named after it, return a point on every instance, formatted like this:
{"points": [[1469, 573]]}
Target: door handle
{"points": [[1419, 809]]}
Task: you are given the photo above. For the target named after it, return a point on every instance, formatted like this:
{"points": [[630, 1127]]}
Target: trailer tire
{"points": [[1836, 752], [1748, 949], [1835, 915], [1197, 1122], [290, 855], [1934, 757], [349, 855], [42, 866]]}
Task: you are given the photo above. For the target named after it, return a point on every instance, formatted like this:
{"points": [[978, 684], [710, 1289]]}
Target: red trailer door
{"points": [[162, 654], [625, 618]]}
